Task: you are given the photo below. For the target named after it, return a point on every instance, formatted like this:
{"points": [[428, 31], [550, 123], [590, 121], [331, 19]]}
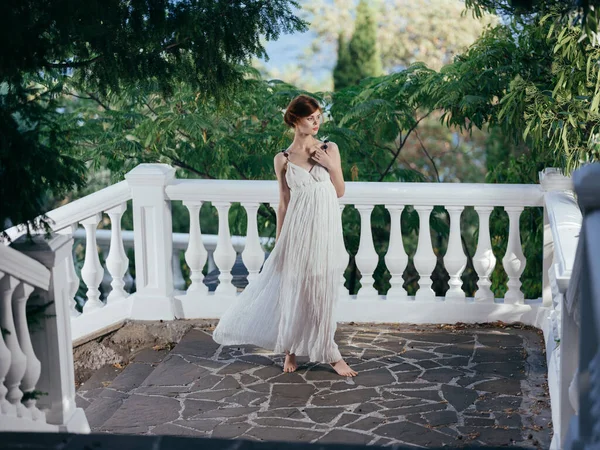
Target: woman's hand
{"points": [[321, 157]]}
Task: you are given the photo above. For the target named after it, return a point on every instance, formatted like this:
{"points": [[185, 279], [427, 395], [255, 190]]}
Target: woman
{"points": [[289, 306]]}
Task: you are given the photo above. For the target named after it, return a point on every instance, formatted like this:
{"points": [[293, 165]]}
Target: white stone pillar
{"points": [[253, 255], [72, 278], [117, 261], [92, 271], [224, 254], [396, 258], [514, 260], [366, 258], [6, 408], [196, 254], [424, 258], [484, 260], [455, 259], [153, 242], [18, 360], [54, 347], [33, 365]]}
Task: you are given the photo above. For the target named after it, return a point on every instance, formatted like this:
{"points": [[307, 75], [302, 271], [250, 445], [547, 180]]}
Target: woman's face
{"points": [[310, 124]]}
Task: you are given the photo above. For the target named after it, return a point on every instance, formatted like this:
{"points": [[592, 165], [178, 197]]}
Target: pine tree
{"points": [[342, 67], [364, 57]]}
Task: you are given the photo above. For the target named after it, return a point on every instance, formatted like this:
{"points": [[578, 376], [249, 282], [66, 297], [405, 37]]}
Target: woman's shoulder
{"points": [[280, 158], [330, 145]]}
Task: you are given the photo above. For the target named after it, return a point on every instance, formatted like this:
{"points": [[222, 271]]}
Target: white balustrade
{"points": [[424, 259], [253, 255], [224, 254], [514, 261], [33, 365], [92, 270], [396, 258], [18, 362], [366, 258], [195, 255], [455, 259], [484, 260], [117, 261]]}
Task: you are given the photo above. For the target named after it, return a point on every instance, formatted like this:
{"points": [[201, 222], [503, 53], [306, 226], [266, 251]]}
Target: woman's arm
{"points": [[332, 161], [284, 191]]}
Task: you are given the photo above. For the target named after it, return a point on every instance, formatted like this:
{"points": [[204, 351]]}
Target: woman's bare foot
{"points": [[343, 369], [290, 364]]}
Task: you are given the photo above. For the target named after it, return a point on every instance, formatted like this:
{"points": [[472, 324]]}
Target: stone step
{"points": [[106, 390]]}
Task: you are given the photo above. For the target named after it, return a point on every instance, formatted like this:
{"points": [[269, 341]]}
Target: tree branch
{"points": [[401, 146], [437, 174], [183, 165]]}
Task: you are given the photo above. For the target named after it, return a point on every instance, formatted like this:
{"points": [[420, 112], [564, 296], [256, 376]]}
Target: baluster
{"points": [[6, 407], [484, 260], [253, 255], [514, 261], [72, 278], [92, 271], [117, 261], [344, 260], [224, 254], [396, 258], [33, 367], [424, 258], [18, 363], [455, 259], [196, 255], [366, 258]]}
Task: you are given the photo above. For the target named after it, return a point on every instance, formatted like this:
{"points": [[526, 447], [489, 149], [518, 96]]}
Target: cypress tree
{"points": [[365, 60], [341, 72]]}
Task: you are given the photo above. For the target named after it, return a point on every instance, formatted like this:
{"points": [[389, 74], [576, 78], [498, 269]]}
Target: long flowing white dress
{"points": [[289, 306]]}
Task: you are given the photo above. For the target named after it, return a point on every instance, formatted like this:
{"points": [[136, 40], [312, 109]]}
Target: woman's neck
{"points": [[302, 143]]}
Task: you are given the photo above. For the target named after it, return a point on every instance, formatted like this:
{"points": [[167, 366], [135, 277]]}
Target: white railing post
{"points": [[153, 238], [53, 347], [484, 260], [117, 261], [195, 255], [6, 407], [424, 258], [455, 259], [224, 255], [514, 260], [396, 258], [92, 270], [72, 278], [18, 360], [253, 255], [366, 258], [33, 365]]}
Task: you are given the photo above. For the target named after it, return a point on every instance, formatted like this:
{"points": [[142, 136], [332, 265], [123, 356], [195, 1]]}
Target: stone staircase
{"points": [[428, 385]]}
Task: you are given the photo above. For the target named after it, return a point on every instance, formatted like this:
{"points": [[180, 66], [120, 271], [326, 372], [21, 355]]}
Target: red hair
{"points": [[299, 107]]}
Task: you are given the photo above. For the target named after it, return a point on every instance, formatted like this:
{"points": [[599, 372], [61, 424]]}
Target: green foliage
{"points": [[96, 50]]}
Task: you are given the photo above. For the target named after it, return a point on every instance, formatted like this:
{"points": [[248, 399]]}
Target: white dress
{"points": [[290, 304]]}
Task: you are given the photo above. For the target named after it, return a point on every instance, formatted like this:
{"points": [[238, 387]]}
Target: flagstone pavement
{"points": [[422, 386]]}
